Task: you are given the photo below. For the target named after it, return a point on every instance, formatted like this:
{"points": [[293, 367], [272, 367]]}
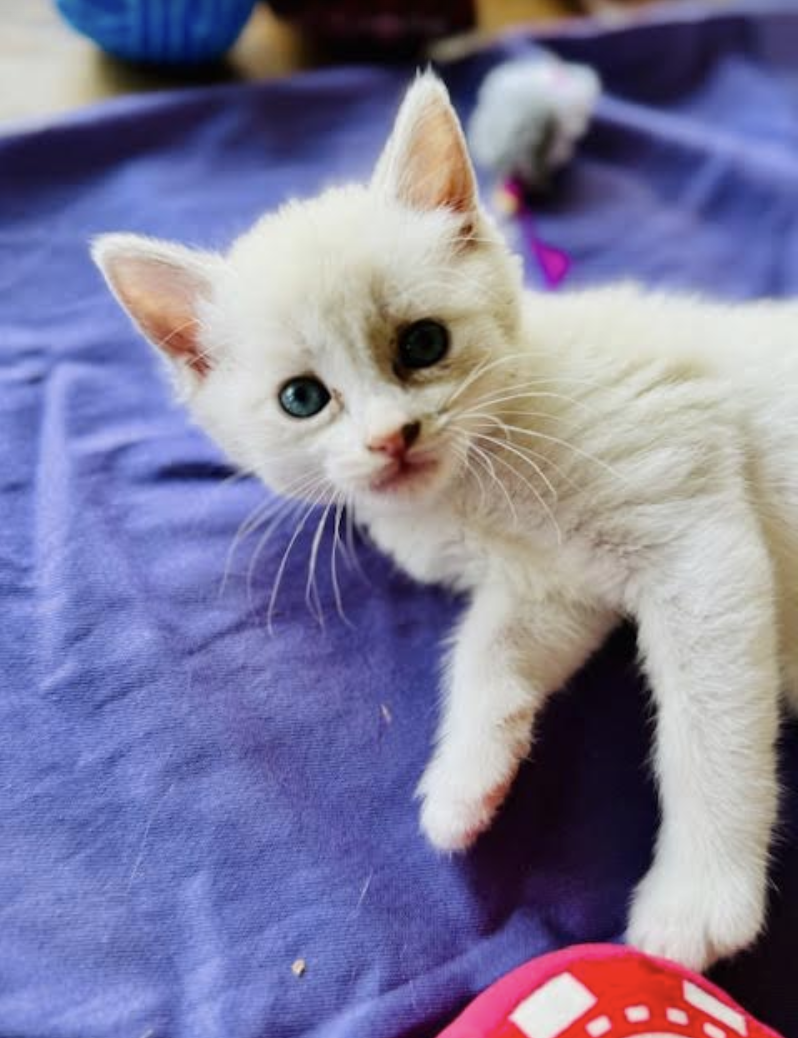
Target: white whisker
{"points": [[545, 458], [311, 587], [287, 507], [333, 567], [528, 387], [270, 509], [290, 507], [535, 491], [286, 554], [350, 539], [536, 434], [482, 369], [251, 522], [461, 452], [513, 449], [488, 462]]}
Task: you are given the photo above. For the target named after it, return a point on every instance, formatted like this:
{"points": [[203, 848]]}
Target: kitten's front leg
{"points": [[708, 633], [509, 653]]}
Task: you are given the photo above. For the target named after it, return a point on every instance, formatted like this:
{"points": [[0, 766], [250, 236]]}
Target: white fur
{"points": [[530, 115], [600, 455]]}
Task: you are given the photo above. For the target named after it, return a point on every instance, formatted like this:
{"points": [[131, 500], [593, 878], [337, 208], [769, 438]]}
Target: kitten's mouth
{"points": [[404, 473]]}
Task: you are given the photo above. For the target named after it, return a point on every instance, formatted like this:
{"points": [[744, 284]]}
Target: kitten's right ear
{"points": [[425, 164], [162, 287]]}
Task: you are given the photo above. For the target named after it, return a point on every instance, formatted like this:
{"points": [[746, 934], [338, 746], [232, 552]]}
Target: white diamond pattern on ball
{"points": [[553, 1008]]}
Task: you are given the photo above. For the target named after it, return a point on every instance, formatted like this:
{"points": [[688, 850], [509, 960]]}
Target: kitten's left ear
{"points": [[425, 163], [162, 286]]}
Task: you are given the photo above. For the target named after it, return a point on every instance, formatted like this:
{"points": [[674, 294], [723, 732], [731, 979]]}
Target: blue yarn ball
{"points": [[175, 32]]}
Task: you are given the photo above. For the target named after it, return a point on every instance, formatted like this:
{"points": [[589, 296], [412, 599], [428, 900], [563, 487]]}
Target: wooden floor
{"points": [[45, 67]]}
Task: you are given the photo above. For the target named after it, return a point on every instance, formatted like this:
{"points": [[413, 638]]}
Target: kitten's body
{"points": [[673, 499], [574, 459]]}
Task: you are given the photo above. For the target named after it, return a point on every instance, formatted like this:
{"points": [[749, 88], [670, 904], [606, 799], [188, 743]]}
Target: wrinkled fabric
{"points": [[188, 804]]}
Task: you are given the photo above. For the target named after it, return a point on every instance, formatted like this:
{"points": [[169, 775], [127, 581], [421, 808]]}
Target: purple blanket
{"points": [[187, 805]]}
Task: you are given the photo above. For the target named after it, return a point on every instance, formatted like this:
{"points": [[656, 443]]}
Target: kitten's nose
{"points": [[397, 442]]}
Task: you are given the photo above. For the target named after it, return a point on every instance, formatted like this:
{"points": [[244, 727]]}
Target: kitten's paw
{"points": [[694, 918], [452, 817]]}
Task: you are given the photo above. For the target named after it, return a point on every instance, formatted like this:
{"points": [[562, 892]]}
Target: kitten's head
{"points": [[333, 349]]}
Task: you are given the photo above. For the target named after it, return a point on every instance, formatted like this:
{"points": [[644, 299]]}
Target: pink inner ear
{"points": [[438, 175], [162, 298], [436, 169]]}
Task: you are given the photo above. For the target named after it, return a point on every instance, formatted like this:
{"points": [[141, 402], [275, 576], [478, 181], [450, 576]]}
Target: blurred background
{"points": [[47, 67]]}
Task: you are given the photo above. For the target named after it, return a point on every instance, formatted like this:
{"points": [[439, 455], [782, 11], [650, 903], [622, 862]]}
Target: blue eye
{"points": [[423, 344], [303, 397]]}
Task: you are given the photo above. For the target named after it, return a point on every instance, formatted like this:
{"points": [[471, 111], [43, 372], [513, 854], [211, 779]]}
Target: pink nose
{"points": [[396, 443]]}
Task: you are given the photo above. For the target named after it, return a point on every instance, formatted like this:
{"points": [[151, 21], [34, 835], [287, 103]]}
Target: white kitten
{"points": [[569, 459]]}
